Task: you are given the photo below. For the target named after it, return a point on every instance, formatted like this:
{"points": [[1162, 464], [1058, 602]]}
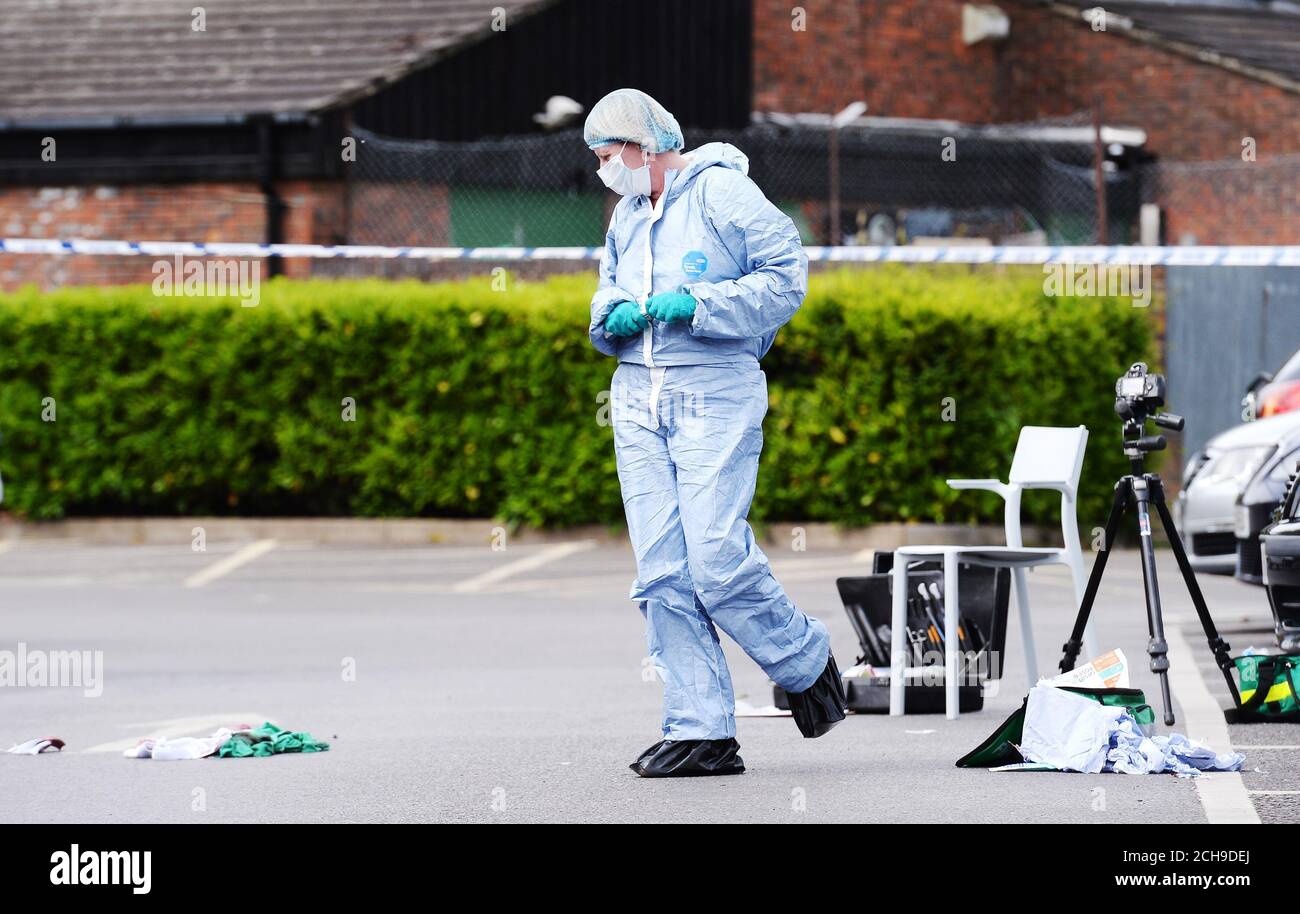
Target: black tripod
{"points": [[1144, 490]]}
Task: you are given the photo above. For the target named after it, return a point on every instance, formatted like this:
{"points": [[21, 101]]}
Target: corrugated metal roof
{"points": [[1259, 37], [80, 60]]}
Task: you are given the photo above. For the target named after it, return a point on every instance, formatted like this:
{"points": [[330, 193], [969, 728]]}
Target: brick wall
{"points": [[906, 58], [1230, 203], [1189, 109], [190, 212], [816, 69], [199, 212], [316, 212], [397, 213], [1192, 112]]}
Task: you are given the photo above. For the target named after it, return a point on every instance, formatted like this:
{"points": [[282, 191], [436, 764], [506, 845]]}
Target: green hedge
{"points": [[471, 402]]}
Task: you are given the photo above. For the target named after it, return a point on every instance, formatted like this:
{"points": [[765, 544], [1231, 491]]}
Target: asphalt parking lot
{"points": [[465, 684]]}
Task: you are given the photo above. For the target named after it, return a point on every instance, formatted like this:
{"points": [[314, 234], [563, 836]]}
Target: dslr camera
{"points": [[1139, 395], [1138, 387]]}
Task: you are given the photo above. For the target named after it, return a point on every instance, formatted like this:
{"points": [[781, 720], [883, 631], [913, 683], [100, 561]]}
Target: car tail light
{"points": [[1279, 398]]}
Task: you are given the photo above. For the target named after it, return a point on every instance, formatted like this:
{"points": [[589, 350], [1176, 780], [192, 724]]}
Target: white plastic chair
{"points": [[1046, 458]]}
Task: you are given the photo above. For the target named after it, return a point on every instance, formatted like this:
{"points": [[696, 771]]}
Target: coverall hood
{"points": [[708, 156]]}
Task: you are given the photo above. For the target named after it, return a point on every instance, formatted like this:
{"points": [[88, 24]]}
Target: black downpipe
{"points": [[274, 204]]}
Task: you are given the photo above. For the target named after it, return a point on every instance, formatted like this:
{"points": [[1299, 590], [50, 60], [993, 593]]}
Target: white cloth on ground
{"points": [[160, 748], [1074, 733]]}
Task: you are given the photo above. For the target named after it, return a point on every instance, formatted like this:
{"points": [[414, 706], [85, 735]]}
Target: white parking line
{"points": [[1223, 796], [528, 563], [230, 563]]}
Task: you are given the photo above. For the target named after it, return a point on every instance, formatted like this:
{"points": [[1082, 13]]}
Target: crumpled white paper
{"points": [[1132, 753], [1074, 733]]}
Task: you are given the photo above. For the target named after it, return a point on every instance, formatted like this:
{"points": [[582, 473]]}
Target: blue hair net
{"points": [[629, 115]]}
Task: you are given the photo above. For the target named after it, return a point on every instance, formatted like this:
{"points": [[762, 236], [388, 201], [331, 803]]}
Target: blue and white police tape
{"points": [[1190, 255]]}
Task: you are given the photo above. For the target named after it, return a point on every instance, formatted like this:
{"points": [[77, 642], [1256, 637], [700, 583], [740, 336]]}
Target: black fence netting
{"points": [[899, 182]]}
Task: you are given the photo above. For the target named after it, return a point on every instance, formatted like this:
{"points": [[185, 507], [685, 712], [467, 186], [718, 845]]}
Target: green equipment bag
{"points": [[1268, 689], [1000, 748]]}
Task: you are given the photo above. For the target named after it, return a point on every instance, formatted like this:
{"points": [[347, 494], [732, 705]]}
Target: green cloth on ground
{"points": [[268, 739]]}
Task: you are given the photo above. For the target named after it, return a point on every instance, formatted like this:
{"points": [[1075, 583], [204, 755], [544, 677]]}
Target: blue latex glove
{"points": [[671, 306], [625, 320]]}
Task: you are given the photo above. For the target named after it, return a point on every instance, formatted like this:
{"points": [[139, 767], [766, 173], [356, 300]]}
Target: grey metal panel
{"points": [[1225, 325]]}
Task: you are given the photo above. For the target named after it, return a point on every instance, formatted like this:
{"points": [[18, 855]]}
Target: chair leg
{"points": [[952, 698], [1090, 648], [897, 628], [1026, 626]]}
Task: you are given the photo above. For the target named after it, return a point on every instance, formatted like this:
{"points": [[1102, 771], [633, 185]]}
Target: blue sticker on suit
{"points": [[694, 263]]}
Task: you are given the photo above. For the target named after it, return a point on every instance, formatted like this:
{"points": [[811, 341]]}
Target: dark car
{"points": [[1232, 485], [1229, 491], [1260, 497], [1280, 549]]}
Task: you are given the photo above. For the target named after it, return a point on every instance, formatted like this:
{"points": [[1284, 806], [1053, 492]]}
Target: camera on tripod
{"points": [[1139, 395]]}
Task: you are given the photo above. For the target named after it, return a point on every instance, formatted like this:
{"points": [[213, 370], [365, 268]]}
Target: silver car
{"points": [[1229, 489]]}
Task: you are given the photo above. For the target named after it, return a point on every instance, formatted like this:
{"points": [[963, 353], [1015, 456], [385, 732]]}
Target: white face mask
{"points": [[628, 182]]}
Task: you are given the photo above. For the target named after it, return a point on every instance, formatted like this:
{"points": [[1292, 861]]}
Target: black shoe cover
{"points": [[689, 758], [821, 706]]}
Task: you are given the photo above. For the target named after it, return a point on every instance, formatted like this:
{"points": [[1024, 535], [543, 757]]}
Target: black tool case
{"points": [[868, 600]]}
